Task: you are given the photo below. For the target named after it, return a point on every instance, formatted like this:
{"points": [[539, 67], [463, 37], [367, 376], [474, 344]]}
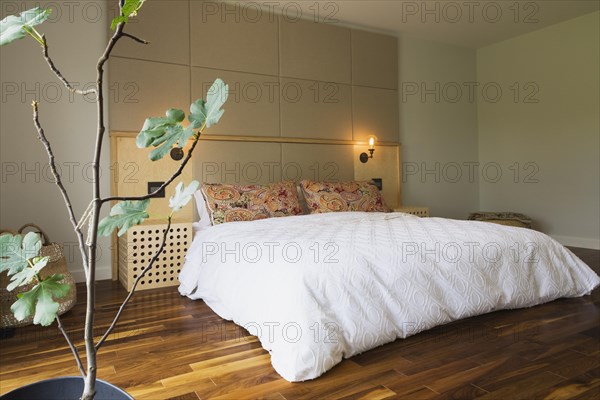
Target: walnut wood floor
{"points": [[168, 347]]}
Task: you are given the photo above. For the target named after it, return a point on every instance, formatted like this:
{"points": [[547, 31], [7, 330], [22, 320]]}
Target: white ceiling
{"points": [[473, 23]]}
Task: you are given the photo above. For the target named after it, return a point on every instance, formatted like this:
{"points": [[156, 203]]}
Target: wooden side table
{"points": [[138, 246], [418, 211]]}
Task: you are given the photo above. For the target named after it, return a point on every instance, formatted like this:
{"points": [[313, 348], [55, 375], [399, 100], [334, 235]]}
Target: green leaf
{"points": [[124, 215], [166, 132], [215, 98], [40, 299], [45, 309], [15, 250], [197, 113], [209, 112], [27, 274], [159, 130], [182, 195], [25, 305], [129, 10], [13, 27], [153, 128], [175, 135]]}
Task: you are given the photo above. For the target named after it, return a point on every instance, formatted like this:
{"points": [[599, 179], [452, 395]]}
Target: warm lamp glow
{"points": [[364, 157]]}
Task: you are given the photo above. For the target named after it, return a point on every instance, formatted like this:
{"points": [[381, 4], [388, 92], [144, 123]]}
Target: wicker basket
{"points": [[56, 265], [503, 218]]}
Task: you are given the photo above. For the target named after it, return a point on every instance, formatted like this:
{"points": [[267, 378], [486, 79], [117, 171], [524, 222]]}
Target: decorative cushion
{"points": [[230, 203], [322, 197]]}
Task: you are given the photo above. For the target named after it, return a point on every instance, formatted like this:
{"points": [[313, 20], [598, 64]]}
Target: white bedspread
{"points": [[319, 288]]}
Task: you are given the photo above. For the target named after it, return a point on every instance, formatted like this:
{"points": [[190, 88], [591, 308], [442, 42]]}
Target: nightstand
{"points": [[137, 247], [418, 211]]}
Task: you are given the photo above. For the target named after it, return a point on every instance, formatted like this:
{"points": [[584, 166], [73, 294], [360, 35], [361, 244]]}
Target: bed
{"points": [[318, 288]]}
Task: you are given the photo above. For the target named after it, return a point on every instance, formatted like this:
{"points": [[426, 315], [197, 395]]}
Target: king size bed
{"points": [[318, 288]]}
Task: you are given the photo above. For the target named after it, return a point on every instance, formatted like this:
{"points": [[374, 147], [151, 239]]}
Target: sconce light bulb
{"points": [[371, 142]]}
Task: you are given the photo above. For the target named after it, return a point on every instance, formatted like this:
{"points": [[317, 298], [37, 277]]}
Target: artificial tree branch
{"points": [[58, 182], [137, 39], [164, 185], [58, 73], [72, 346], [132, 291]]}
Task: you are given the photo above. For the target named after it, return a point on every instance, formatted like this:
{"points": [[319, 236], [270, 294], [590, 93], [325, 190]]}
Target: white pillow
{"points": [[202, 211]]}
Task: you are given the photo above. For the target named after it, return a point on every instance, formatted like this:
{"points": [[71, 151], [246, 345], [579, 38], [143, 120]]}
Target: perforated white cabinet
{"points": [[140, 244]]}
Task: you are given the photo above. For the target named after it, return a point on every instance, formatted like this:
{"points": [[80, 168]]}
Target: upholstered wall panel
{"points": [[320, 162], [288, 79], [311, 109], [374, 60], [226, 37], [169, 38], [315, 51], [375, 112], [238, 163], [141, 89], [252, 108]]}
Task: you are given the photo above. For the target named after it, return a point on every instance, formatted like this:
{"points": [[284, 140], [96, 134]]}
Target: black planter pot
{"points": [[65, 388]]}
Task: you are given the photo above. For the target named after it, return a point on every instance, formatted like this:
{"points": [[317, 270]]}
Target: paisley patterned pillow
{"points": [[322, 197], [230, 203]]}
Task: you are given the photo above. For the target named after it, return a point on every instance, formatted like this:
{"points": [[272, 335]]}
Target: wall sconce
{"points": [[364, 157], [176, 153]]}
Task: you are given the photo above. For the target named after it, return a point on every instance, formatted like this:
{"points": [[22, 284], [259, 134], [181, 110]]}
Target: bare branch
{"points": [[165, 184], [58, 181], [132, 291], [71, 345], [137, 39], [88, 337], [58, 73]]}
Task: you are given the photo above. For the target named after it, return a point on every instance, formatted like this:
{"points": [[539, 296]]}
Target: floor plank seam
{"points": [[479, 387], [434, 391], [555, 374]]}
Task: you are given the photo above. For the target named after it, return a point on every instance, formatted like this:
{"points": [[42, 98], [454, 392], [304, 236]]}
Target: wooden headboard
{"points": [[255, 160]]}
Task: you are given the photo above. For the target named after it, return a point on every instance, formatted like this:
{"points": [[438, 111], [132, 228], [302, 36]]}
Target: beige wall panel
{"points": [[142, 89], [315, 51], [385, 164], [225, 36], [169, 37], [437, 132], [317, 162], [134, 171], [239, 163], [252, 108], [375, 112], [374, 60], [546, 142], [311, 109]]}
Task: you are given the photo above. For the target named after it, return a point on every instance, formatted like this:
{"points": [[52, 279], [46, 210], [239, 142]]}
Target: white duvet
{"points": [[319, 288]]}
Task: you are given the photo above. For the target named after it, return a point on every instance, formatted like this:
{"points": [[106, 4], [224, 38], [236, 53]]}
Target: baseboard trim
{"points": [[573, 241], [102, 272]]}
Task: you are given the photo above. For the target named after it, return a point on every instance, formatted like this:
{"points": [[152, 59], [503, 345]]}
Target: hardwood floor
{"points": [[169, 347]]}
